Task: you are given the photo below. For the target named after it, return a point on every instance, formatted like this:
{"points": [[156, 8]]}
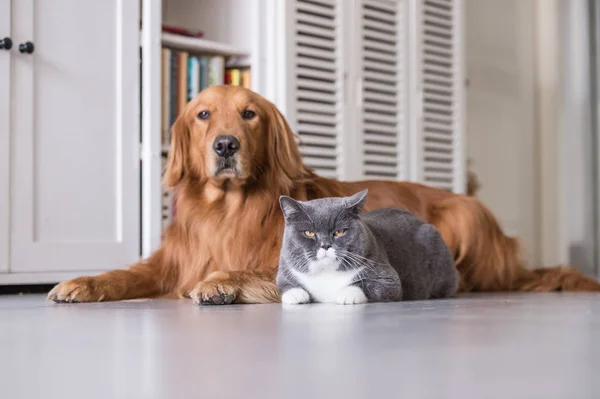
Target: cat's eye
{"points": [[309, 234], [339, 232]]}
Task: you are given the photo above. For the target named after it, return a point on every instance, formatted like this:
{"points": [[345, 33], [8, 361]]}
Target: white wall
{"points": [[501, 139], [225, 21], [577, 143]]}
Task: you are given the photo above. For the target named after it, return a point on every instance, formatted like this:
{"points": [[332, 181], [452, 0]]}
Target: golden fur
{"points": [[224, 243]]}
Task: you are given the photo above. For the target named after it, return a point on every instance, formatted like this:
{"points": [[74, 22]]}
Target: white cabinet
{"points": [[69, 182]]}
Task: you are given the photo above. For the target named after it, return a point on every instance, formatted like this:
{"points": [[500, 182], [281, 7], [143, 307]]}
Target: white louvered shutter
{"points": [[382, 54], [316, 77], [439, 139]]}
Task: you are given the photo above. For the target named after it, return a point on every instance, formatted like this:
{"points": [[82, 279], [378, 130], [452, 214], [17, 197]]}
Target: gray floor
{"points": [[503, 346]]}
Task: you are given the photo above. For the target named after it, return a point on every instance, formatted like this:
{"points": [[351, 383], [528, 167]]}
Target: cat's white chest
{"points": [[325, 284]]}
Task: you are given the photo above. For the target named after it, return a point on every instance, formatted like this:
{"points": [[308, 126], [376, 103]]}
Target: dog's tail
{"points": [[487, 259]]}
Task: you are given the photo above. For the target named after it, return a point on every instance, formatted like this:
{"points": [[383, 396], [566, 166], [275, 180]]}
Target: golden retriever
{"points": [[232, 156]]}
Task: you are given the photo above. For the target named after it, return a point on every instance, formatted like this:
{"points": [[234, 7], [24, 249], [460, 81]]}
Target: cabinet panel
{"points": [[75, 163], [4, 136]]}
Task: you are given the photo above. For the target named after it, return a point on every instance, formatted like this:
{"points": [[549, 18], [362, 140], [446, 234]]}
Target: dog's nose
{"points": [[226, 146]]}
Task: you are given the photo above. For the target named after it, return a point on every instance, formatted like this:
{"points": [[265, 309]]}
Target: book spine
{"points": [[203, 61], [235, 77], [246, 79], [173, 91], [182, 82], [216, 70], [193, 77], [165, 94]]}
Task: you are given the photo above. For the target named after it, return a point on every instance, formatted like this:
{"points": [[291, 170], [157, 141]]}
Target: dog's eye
{"points": [[204, 115], [247, 114], [309, 234], [339, 232]]}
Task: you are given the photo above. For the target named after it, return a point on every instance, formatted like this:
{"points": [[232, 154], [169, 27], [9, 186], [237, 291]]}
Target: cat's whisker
{"points": [[356, 265], [362, 261], [361, 257]]}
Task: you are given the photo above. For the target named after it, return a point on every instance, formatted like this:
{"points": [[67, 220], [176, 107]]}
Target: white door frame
{"points": [[151, 125], [5, 72]]}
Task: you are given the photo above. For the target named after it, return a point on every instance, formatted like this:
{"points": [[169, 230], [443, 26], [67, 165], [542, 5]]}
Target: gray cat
{"points": [[330, 253]]}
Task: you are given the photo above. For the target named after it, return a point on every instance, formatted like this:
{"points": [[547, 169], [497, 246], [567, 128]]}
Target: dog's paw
{"points": [[213, 293], [350, 296], [295, 296], [82, 289]]}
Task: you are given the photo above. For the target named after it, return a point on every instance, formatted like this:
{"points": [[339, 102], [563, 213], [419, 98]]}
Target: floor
{"points": [[491, 346]]}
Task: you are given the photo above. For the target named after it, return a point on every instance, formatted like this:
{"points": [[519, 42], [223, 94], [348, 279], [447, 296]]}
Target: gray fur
{"points": [[405, 258]]}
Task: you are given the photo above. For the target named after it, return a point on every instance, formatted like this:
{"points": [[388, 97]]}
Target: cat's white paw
{"points": [[295, 296], [350, 296]]}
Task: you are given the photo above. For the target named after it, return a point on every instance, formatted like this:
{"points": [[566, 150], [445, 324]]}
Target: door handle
{"points": [[6, 43], [26, 48]]}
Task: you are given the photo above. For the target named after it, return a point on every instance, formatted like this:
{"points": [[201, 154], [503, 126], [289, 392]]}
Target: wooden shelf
{"points": [[201, 46]]}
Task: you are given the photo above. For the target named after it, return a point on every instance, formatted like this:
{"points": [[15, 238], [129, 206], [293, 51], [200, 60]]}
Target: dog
{"points": [[232, 156]]}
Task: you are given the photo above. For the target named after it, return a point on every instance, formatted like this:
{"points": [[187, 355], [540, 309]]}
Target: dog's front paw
{"points": [[350, 296], [213, 293], [82, 289], [295, 296]]}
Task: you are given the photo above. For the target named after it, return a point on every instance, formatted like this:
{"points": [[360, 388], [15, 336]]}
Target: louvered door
{"points": [[317, 80], [438, 138], [375, 89], [382, 128]]}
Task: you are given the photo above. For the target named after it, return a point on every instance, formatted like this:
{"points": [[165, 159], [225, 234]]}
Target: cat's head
{"points": [[323, 233]]}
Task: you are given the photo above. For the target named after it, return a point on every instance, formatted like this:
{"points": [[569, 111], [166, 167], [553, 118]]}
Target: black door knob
{"points": [[26, 47], [5, 44]]}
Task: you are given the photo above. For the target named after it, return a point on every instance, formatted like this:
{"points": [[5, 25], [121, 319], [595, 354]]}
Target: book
{"points": [[193, 77], [165, 94], [203, 61], [182, 71], [235, 77], [178, 30], [216, 70], [182, 31], [227, 77], [246, 81], [173, 92]]}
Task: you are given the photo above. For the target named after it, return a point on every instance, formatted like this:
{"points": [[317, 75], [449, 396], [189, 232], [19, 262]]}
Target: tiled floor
{"points": [[503, 346]]}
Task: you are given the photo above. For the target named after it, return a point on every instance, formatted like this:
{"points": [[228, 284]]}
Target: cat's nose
{"points": [[325, 246]]}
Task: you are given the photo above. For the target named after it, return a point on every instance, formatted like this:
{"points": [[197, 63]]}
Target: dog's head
{"points": [[231, 134]]}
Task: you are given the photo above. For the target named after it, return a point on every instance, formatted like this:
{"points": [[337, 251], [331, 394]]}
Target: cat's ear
{"points": [[357, 201], [290, 207]]}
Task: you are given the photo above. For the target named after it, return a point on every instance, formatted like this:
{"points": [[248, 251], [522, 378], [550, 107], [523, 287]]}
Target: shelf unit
{"points": [[238, 41], [199, 45]]}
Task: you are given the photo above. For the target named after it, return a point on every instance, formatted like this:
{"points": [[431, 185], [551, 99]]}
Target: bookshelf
{"points": [[226, 53], [201, 46]]}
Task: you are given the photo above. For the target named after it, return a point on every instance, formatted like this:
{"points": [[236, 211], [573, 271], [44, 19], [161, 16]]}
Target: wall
{"points": [[577, 138], [501, 135]]}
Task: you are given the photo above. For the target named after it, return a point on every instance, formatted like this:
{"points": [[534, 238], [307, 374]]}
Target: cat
{"points": [[331, 253]]}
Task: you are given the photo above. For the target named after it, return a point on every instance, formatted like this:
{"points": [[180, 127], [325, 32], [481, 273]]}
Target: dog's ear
{"points": [[179, 163], [284, 154]]}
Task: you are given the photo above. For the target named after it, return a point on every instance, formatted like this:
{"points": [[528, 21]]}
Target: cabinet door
{"points": [[75, 136], [4, 129]]}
